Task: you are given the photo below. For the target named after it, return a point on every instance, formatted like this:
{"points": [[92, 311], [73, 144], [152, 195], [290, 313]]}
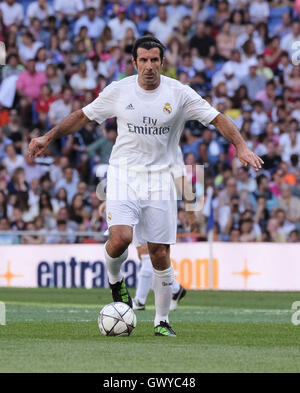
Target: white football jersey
{"points": [[150, 122]]}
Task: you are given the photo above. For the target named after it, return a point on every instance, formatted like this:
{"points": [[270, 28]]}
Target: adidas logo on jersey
{"points": [[130, 106]]}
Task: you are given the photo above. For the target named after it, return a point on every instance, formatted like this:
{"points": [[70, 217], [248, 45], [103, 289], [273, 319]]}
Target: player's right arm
{"points": [[71, 124]]}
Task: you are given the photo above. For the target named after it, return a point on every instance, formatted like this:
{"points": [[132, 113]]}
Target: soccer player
{"points": [[151, 112]]}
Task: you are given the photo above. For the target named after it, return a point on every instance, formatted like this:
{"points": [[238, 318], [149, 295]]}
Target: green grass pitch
{"points": [[55, 330]]}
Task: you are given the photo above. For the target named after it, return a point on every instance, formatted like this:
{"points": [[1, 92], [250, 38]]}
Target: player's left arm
{"points": [[232, 134]]}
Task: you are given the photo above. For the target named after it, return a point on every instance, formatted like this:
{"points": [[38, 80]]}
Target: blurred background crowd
{"points": [[239, 55]]}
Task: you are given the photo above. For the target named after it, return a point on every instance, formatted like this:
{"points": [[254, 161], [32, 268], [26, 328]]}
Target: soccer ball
{"points": [[116, 319]]}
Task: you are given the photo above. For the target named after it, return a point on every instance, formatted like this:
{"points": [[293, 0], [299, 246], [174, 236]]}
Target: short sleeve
{"points": [[196, 108], [103, 107]]}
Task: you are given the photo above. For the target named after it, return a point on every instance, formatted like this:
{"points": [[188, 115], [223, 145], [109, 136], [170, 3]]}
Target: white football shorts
{"points": [[145, 201]]}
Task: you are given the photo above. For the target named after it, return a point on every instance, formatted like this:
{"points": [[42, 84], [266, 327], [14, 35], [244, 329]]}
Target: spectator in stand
{"points": [[18, 184], [187, 66], [100, 150], [263, 190], [61, 200], [28, 88], [262, 214], [284, 27], [290, 204], [234, 235], [86, 40], [28, 47], [68, 10], [32, 239], [284, 226], [222, 13], [12, 67], [259, 11], [80, 82], [226, 41], [284, 68], [14, 130], [3, 205], [55, 79], [272, 53], [61, 234], [41, 59], [272, 233], [137, 11], [293, 81], [287, 42], [61, 108], [296, 110], [247, 232], [12, 160], [262, 69], [43, 104], [32, 170], [259, 118], [69, 182], [12, 12], [114, 64], [201, 41], [78, 213], [6, 239], [4, 141], [160, 26], [229, 216], [267, 96], [94, 24], [271, 159], [291, 145], [295, 189], [230, 190], [253, 82], [176, 11], [276, 182], [120, 24], [245, 181], [4, 116], [237, 22], [39, 9], [294, 236]]}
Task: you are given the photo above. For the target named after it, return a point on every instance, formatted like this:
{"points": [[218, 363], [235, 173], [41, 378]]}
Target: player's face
{"points": [[149, 66]]}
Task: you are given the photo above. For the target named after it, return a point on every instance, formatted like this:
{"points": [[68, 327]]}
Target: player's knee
{"points": [[120, 243], [159, 254]]}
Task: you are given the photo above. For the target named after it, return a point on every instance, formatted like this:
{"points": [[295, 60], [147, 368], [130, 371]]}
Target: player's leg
{"points": [[178, 292], [116, 253], [162, 286], [145, 278], [145, 281]]}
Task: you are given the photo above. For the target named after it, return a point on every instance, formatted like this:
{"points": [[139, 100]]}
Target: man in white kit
{"points": [[151, 111]]}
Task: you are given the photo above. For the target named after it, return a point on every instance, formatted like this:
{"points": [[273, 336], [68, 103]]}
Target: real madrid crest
{"points": [[167, 108]]}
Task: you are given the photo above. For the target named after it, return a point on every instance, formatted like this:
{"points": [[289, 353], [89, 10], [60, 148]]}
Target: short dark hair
{"points": [[260, 178], [148, 42]]}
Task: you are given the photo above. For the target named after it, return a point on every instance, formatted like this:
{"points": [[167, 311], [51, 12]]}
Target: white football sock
{"points": [[175, 287], [114, 266], [162, 285], [145, 278]]}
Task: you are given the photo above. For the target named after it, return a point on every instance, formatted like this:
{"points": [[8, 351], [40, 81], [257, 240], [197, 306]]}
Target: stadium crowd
{"points": [[239, 55]]}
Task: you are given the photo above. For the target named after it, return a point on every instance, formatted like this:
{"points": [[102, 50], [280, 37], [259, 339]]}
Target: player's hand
{"points": [[246, 156], [38, 146]]}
